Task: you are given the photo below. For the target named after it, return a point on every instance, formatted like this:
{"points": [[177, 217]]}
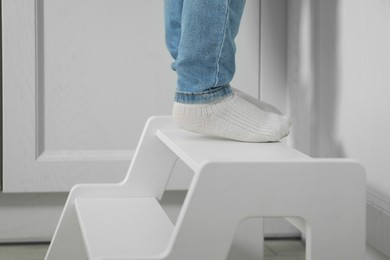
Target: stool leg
{"points": [[324, 242], [248, 241]]}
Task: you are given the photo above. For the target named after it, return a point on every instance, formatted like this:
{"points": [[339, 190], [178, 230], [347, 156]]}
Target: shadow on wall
{"points": [[313, 76], [327, 79], [338, 60]]}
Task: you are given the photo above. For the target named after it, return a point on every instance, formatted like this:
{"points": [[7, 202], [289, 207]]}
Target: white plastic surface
{"points": [[195, 149], [123, 228], [232, 181]]}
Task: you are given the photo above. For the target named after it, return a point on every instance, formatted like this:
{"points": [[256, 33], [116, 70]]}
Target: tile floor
{"points": [[274, 250], [284, 250]]}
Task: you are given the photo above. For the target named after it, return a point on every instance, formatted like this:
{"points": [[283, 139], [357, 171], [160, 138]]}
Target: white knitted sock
{"points": [[260, 104], [232, 117]]}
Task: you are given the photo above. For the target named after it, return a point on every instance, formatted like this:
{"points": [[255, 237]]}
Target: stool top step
{"points": [[116, 228], [195, 149]]}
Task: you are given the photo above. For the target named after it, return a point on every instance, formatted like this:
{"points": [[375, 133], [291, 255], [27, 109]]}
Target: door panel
{"points": [[80, 78]]}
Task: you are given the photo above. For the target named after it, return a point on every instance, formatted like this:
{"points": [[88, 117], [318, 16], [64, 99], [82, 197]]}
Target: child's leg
{"points": [[173, 13], [205, 65]]}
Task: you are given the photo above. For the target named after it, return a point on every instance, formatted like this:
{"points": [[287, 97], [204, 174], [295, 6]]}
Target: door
{"points": [[80, 78]]}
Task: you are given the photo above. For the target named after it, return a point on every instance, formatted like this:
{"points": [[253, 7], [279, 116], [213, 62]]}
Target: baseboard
{"points": [[30, 217], [33, 217], [378, 222]]}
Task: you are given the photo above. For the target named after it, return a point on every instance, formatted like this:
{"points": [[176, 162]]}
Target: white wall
{"points": [[358, 124], [354, 93], [349, 98]]}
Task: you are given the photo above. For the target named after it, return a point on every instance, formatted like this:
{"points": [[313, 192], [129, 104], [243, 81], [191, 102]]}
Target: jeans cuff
{"points": [[208, 96]]}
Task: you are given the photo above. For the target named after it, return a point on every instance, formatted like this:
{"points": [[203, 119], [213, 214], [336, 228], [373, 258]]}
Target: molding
{"points": [[378, 222], [39, 79], [88, 155], [378, 202]]}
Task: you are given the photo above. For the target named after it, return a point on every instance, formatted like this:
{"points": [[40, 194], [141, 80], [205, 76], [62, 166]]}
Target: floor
{"points": [[274, 250]]}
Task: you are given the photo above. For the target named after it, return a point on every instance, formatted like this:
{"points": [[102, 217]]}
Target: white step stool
{"points": [[232, 181]]}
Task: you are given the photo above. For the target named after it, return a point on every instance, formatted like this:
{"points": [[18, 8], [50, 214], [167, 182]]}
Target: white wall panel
{"points": [[353, 93]]}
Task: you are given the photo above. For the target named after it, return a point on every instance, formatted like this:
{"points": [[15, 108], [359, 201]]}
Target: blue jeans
{"points": [[200, 37]]}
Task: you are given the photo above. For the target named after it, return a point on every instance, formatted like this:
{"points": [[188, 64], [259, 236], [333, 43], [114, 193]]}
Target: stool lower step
{"points": [[123, 228]]}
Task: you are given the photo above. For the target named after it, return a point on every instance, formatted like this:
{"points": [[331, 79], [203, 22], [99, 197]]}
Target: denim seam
{"points": [[205, 92], [222, 43], [203, 97]]}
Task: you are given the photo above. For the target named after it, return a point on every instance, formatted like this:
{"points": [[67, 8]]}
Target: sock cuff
{"points": [[182, 109]]}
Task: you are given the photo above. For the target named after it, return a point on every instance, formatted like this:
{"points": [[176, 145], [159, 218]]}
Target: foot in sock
{"points": [[232, 117], [260, 104]]}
